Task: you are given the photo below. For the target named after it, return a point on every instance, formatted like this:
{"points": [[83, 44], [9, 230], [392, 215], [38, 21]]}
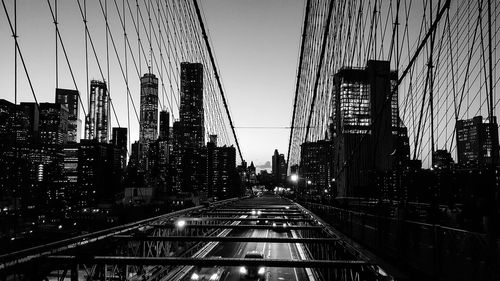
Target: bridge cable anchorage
{"points": [[219, 84]]}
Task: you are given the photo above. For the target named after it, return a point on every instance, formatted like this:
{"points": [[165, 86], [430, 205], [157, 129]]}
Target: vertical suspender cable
{"points": [[318, 72], [297, 84], [87, 126], [15, 51], [107, 58], [126, 72], [212, 60], [57, 40]]}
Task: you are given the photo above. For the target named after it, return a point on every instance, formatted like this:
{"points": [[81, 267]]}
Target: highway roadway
{"points": [[269, 250]]}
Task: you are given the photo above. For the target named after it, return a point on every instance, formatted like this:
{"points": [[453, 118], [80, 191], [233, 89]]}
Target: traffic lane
{"points": [[284, 251], [270, 251], [227, 249]]}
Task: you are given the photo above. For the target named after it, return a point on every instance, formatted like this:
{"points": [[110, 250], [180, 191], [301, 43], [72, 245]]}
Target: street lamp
{"points": [[294, 177], [180, 223]]}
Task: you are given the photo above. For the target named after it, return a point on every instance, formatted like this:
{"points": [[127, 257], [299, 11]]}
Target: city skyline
{"points": [[281, 40]]}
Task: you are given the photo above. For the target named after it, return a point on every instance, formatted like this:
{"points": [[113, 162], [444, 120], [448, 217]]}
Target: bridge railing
{"points": [[431, 250], [17, 258]]}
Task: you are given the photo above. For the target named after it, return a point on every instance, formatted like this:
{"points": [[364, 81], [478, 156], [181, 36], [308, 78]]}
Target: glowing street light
{"points": [[294, 177], [180, 223]]}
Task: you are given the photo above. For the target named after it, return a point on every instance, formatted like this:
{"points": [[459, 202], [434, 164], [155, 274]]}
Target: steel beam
{"points": [[228, 239], [210, 261], [27, 255], [245, 219], [227, 226], [213, 213]]}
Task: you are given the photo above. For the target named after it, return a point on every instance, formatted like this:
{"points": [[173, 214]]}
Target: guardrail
{"points": [[23, 256], [431, 250]]}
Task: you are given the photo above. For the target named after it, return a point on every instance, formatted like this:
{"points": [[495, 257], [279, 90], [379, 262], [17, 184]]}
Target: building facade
{"points": [[191, 108], [96, 121], [369, 135], [69, 98], [477, 142], [148, 131]]}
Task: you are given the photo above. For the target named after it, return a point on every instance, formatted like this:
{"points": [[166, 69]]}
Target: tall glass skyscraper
{"points": [[148, 131]]}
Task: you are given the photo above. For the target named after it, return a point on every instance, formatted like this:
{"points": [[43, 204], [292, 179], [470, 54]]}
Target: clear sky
{"points": [[256, 43]]}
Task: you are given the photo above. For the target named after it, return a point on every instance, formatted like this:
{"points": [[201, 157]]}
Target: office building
{"points": [[279, 168], [53, 124], [69, 98], [119, 141], [477, 142], [97, 119], [164, 125], [316, 165], [221, 171], [369, 136], [148, 131], [191, 107]]}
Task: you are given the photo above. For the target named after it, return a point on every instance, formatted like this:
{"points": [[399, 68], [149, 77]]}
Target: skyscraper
{"points": [[221, 167], [368, 134], [191, 108], [477, 142], [119, 142], [53, 123], [69, 98], [96, 122], [164, 125], [149, 108], [279, 168], [316, 164]]}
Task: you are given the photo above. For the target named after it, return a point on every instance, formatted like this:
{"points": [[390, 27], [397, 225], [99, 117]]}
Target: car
{"points": [[214, 273], [279, 225], [253, 272]]}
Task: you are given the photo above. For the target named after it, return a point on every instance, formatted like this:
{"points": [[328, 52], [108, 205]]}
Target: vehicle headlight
{"points": [[195, 276], [214, 276], [243, 270], [262, 270], [274, 224], [259, 212]]}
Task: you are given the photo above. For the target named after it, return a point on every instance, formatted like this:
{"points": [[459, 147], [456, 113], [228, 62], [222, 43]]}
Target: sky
{"points": [[256, 44]]}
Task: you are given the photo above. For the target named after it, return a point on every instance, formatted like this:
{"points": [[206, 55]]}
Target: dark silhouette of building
{"points": [[316, 165], [164, 125], [69, 98], [15, 124], [53, 124], [191, 109], [477, 142], [98, 173], [221, 171], [369, 135], [279, 168], [70, 173], [442, 159], [32, 112], [96, 121], [119, 140]]}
